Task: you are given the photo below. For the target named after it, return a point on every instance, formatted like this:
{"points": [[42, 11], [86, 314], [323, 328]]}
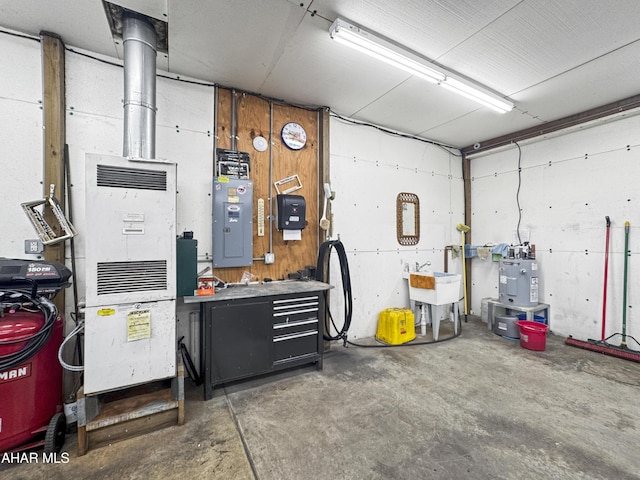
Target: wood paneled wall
{"points": [[256, 116]]}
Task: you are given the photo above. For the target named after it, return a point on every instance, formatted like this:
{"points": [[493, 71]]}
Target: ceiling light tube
{"points": [[377, 47], [487, 99], [393, 54]]}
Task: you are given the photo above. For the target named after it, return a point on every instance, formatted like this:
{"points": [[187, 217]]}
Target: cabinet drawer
{"points": [[294, 345], [295, 309], [295, 326]]}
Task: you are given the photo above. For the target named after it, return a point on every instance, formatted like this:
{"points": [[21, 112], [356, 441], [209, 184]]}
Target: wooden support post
{"points": [[324, 177], [53, 72], [466, 177], [323, 166]]}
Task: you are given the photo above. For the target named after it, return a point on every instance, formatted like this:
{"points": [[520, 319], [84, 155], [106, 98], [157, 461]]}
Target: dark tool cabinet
{"points": [[258, 329]]}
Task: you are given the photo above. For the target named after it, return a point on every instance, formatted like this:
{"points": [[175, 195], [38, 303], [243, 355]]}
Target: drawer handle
{"points": [[296, 305], [278, 326], [293, 312], [293, 336], [299, 299]]}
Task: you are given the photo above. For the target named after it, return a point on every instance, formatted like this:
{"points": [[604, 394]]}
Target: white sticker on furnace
{"points": [[138, 325]]}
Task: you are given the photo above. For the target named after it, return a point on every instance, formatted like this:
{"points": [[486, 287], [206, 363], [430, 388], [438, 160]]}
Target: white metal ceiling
{"points": [[553, 58]]}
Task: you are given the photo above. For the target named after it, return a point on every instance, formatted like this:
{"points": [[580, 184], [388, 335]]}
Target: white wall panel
{"points": [[193, 152], [94, 87], [185, 135], [569, 184], [368, 170], [22, 140]]}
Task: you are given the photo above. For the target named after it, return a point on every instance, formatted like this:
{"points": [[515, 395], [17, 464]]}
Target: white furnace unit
{"points": [[130, 326]]}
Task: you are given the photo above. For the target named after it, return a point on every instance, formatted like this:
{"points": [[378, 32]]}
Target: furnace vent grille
{"points": [[125, 177], [125, 277]]}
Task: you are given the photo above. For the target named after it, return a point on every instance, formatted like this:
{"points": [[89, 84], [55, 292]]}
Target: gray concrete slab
{"points": [[207, 446], [479, 406], [476, 407]]}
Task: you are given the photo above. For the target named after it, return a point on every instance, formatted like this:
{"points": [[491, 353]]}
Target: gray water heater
{"points": [[232, 222], [518, 282]]}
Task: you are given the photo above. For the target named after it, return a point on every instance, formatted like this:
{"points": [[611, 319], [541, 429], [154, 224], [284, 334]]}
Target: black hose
{"points": [[36, 341], [322, 275], [411, 343]]}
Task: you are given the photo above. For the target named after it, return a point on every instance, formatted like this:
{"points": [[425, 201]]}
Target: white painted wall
{"points": [[21, 148], [569, 184], [368, 170], [94, 95]]}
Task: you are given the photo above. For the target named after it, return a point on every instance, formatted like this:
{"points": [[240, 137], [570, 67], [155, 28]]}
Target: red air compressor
{"points": [[31, 331]]}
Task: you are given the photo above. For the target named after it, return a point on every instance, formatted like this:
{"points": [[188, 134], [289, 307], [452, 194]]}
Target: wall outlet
{"points": [[33, 246], [269, 258]]}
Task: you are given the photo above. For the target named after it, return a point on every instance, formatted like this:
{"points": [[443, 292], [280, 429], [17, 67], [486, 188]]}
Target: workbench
{"points": [[255, 329]]}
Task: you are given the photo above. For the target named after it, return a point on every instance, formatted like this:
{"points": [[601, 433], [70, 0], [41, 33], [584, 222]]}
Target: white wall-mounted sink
{"points": [[446, 287]]}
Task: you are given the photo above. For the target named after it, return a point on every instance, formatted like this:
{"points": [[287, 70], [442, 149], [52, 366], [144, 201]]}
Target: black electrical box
{"points": [[291, 211]]}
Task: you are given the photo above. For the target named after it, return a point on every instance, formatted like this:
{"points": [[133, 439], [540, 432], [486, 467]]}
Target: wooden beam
{"points": [[466, 177], [53, 73], [324, 177], [624, 105], [323, 166]]}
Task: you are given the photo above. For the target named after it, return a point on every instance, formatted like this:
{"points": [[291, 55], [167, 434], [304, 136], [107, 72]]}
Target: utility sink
{"points": [[434, 288]]}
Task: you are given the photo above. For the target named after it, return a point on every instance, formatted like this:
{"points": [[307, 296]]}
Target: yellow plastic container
{"points": [[396, 326]]}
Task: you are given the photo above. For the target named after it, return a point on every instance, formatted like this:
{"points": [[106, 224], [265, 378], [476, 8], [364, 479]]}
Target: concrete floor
{"points": [[476, 407]]}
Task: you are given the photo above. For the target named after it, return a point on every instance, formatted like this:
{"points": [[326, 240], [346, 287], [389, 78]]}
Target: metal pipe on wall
{"points": [[216, 110], [233, 120], [271, 177], [139, 39]]}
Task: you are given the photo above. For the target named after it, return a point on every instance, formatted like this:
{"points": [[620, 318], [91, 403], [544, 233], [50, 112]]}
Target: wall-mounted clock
{"points": [[294, 136]]}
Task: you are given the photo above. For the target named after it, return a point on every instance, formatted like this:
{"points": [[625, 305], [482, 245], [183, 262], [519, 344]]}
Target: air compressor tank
{"points": [[518, 282]]}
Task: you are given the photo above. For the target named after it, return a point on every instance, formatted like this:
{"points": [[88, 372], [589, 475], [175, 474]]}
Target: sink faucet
{"points": [[418, 266]]}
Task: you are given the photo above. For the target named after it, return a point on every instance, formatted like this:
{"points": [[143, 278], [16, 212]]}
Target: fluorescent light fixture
{"points": [[393, 54]]}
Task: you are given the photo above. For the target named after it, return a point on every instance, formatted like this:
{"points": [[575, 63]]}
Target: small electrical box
{"points": [[291, 210]]}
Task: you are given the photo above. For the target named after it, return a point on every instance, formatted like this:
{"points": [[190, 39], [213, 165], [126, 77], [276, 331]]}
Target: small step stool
{"points": [[494, 308], [113, 416]]}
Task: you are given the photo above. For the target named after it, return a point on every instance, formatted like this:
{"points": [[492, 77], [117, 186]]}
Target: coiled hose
{"points": [[322, 275], [16, 299]]}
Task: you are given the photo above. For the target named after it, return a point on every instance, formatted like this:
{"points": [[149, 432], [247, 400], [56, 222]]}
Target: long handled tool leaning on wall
{"points": [[603, 346], [606, 274], [464, 229]]}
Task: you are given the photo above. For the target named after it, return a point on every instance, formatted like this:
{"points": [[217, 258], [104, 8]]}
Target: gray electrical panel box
{"points": [[232, 222], [518, 282]]}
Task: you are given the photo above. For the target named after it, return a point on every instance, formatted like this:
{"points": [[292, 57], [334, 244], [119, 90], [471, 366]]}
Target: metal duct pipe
{"points": [[139, 38]]}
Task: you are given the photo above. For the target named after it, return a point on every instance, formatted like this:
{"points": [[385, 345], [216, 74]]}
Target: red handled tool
{"points": [[606, 271]]}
